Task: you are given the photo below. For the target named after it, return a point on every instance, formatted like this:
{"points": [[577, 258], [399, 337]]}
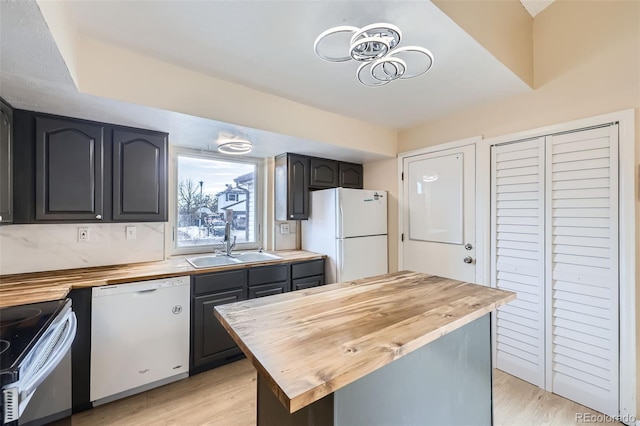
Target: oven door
{"points": [[41, 361]]}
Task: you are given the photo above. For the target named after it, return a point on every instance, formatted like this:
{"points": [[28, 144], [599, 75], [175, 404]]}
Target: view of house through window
{"points": [[210, 192]]}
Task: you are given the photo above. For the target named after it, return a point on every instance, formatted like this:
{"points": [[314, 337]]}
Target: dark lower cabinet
{"points": [[268, 289], [308, 282], [6, 162], [211, 345], [211, 341]]}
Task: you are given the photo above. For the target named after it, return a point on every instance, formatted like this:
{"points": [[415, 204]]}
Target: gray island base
{"points": [[446, 382]]}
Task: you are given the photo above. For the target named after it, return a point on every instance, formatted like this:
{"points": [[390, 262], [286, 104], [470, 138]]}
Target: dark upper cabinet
{"points": [[6, 160], [350, 175], [139, 176], [69, 170], [292, 187], [323, 173]]}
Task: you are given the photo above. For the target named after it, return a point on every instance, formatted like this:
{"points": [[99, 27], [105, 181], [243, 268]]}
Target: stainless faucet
{"points": [[227, 238]]}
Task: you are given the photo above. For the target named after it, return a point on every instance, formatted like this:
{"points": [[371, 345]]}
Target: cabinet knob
{"points": [[0, 218], [99, 216]]}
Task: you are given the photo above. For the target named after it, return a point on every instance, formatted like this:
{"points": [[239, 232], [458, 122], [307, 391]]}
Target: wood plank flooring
{"points": [[226, 396]]}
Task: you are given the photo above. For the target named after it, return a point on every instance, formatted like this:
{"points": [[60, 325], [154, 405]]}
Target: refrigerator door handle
{"points": [[340, 220]]}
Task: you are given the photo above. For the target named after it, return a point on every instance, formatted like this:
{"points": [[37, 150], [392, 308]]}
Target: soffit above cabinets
{"points": [[266, 46], [536, 6]]}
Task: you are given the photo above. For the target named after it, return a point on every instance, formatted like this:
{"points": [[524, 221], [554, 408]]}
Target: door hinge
{"points": [[173, 233], [402, 238], [402, 176]]}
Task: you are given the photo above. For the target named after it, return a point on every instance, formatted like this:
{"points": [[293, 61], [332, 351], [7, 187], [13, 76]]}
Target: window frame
{"points": [[258, 202]]}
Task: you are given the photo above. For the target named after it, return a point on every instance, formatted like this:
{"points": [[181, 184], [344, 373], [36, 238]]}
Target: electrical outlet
{"points": [[284, 228], [131, 232], [83, 235]]}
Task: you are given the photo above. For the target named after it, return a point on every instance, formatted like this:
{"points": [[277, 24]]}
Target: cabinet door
{"points": [[69, 170], [298, 187], [324, 173], [268, 289], [350, 175], [308, 282], [211, 342], [139, 176], [6, 169]]}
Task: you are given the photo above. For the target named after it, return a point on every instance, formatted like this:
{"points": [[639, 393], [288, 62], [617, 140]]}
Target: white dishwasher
{"points": [[139, 337]]}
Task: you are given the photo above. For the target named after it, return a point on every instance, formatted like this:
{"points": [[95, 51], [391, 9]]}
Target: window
{"points": [[210, 191]]}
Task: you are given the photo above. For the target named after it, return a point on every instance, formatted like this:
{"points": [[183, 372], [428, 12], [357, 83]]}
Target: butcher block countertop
{"points": [[308, 344], [20, 289]]}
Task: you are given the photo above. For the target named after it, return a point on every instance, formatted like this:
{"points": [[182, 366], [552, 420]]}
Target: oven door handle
{"points": [[28, 388]]}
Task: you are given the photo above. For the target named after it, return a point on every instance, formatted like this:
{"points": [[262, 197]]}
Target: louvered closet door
{"points": [[518, 257], [582, 267]]}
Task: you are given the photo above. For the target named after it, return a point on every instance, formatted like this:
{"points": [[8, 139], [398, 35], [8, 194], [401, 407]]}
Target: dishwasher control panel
{"points": [[140, 286]]}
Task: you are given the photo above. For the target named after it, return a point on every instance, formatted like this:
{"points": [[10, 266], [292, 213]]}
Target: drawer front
{"points": [[268, 274], [268, 289], [308, 282], [208, 283], [307, 269]]}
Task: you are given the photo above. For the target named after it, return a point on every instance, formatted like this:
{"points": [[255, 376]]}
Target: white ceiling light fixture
{"points": [[376, 47], [234, 146]]}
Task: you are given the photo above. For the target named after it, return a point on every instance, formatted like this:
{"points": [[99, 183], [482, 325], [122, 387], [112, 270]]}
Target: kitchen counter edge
{"points": [[25, 288]]}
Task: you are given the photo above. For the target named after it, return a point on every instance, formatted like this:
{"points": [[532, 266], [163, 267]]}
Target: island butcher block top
{"points": [[310, 343], [20, 289]]}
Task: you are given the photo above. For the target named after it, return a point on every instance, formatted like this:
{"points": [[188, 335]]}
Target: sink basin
{"points": [[212, 260], [255, 256]]}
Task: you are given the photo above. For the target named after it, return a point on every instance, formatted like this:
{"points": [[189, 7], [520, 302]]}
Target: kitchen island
{"points": [[398, 349]]}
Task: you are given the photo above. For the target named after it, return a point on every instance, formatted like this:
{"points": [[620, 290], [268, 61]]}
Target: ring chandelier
{"points": [[234, 146], [376, 47]]}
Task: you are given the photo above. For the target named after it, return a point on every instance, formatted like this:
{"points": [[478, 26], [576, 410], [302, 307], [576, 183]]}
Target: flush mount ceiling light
{"points": [[376, 47], [234, 146]]}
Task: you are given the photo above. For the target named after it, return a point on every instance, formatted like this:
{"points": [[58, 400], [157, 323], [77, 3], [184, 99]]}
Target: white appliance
{"points": [[139, 337], [350, 227]]}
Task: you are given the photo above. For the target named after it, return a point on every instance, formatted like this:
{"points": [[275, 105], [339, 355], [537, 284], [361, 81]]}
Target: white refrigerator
{"points": [[350, 227]]}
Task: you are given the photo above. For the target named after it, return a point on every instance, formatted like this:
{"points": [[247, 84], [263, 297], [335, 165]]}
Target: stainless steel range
{"points": [[35, 362]]}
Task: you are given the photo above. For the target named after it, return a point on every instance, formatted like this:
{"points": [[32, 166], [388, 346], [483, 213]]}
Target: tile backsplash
{"points": [[33, 248]]}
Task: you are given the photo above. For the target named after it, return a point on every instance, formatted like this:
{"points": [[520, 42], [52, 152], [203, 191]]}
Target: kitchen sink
{"points": [[212, 260], [255, 256]]}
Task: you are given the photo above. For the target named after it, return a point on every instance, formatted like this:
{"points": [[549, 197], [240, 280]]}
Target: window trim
{"points": [[258, 202]]}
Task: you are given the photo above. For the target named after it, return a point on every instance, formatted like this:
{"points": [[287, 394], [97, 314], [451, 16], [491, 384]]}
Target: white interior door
{"points": [[582, 267], [554, 241], [517, 247], [439, 213]]}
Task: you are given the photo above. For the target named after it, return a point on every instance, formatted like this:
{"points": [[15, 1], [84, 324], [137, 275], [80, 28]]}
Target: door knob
{"points": [[468, 259]]}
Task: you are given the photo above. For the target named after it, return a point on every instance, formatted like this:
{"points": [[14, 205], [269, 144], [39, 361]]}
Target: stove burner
{"points": [[4, 345], [16, 316]]}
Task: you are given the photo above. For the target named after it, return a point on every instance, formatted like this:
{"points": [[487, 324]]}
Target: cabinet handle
{"points": [[99, 216]]}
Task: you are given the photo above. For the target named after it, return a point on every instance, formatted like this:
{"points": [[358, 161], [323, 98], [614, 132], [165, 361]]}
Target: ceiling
{"points": [[536, 6], [264, 45]]}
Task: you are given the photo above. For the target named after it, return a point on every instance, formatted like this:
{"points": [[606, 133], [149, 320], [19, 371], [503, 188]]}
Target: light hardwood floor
{"points": [[226, 396]]}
